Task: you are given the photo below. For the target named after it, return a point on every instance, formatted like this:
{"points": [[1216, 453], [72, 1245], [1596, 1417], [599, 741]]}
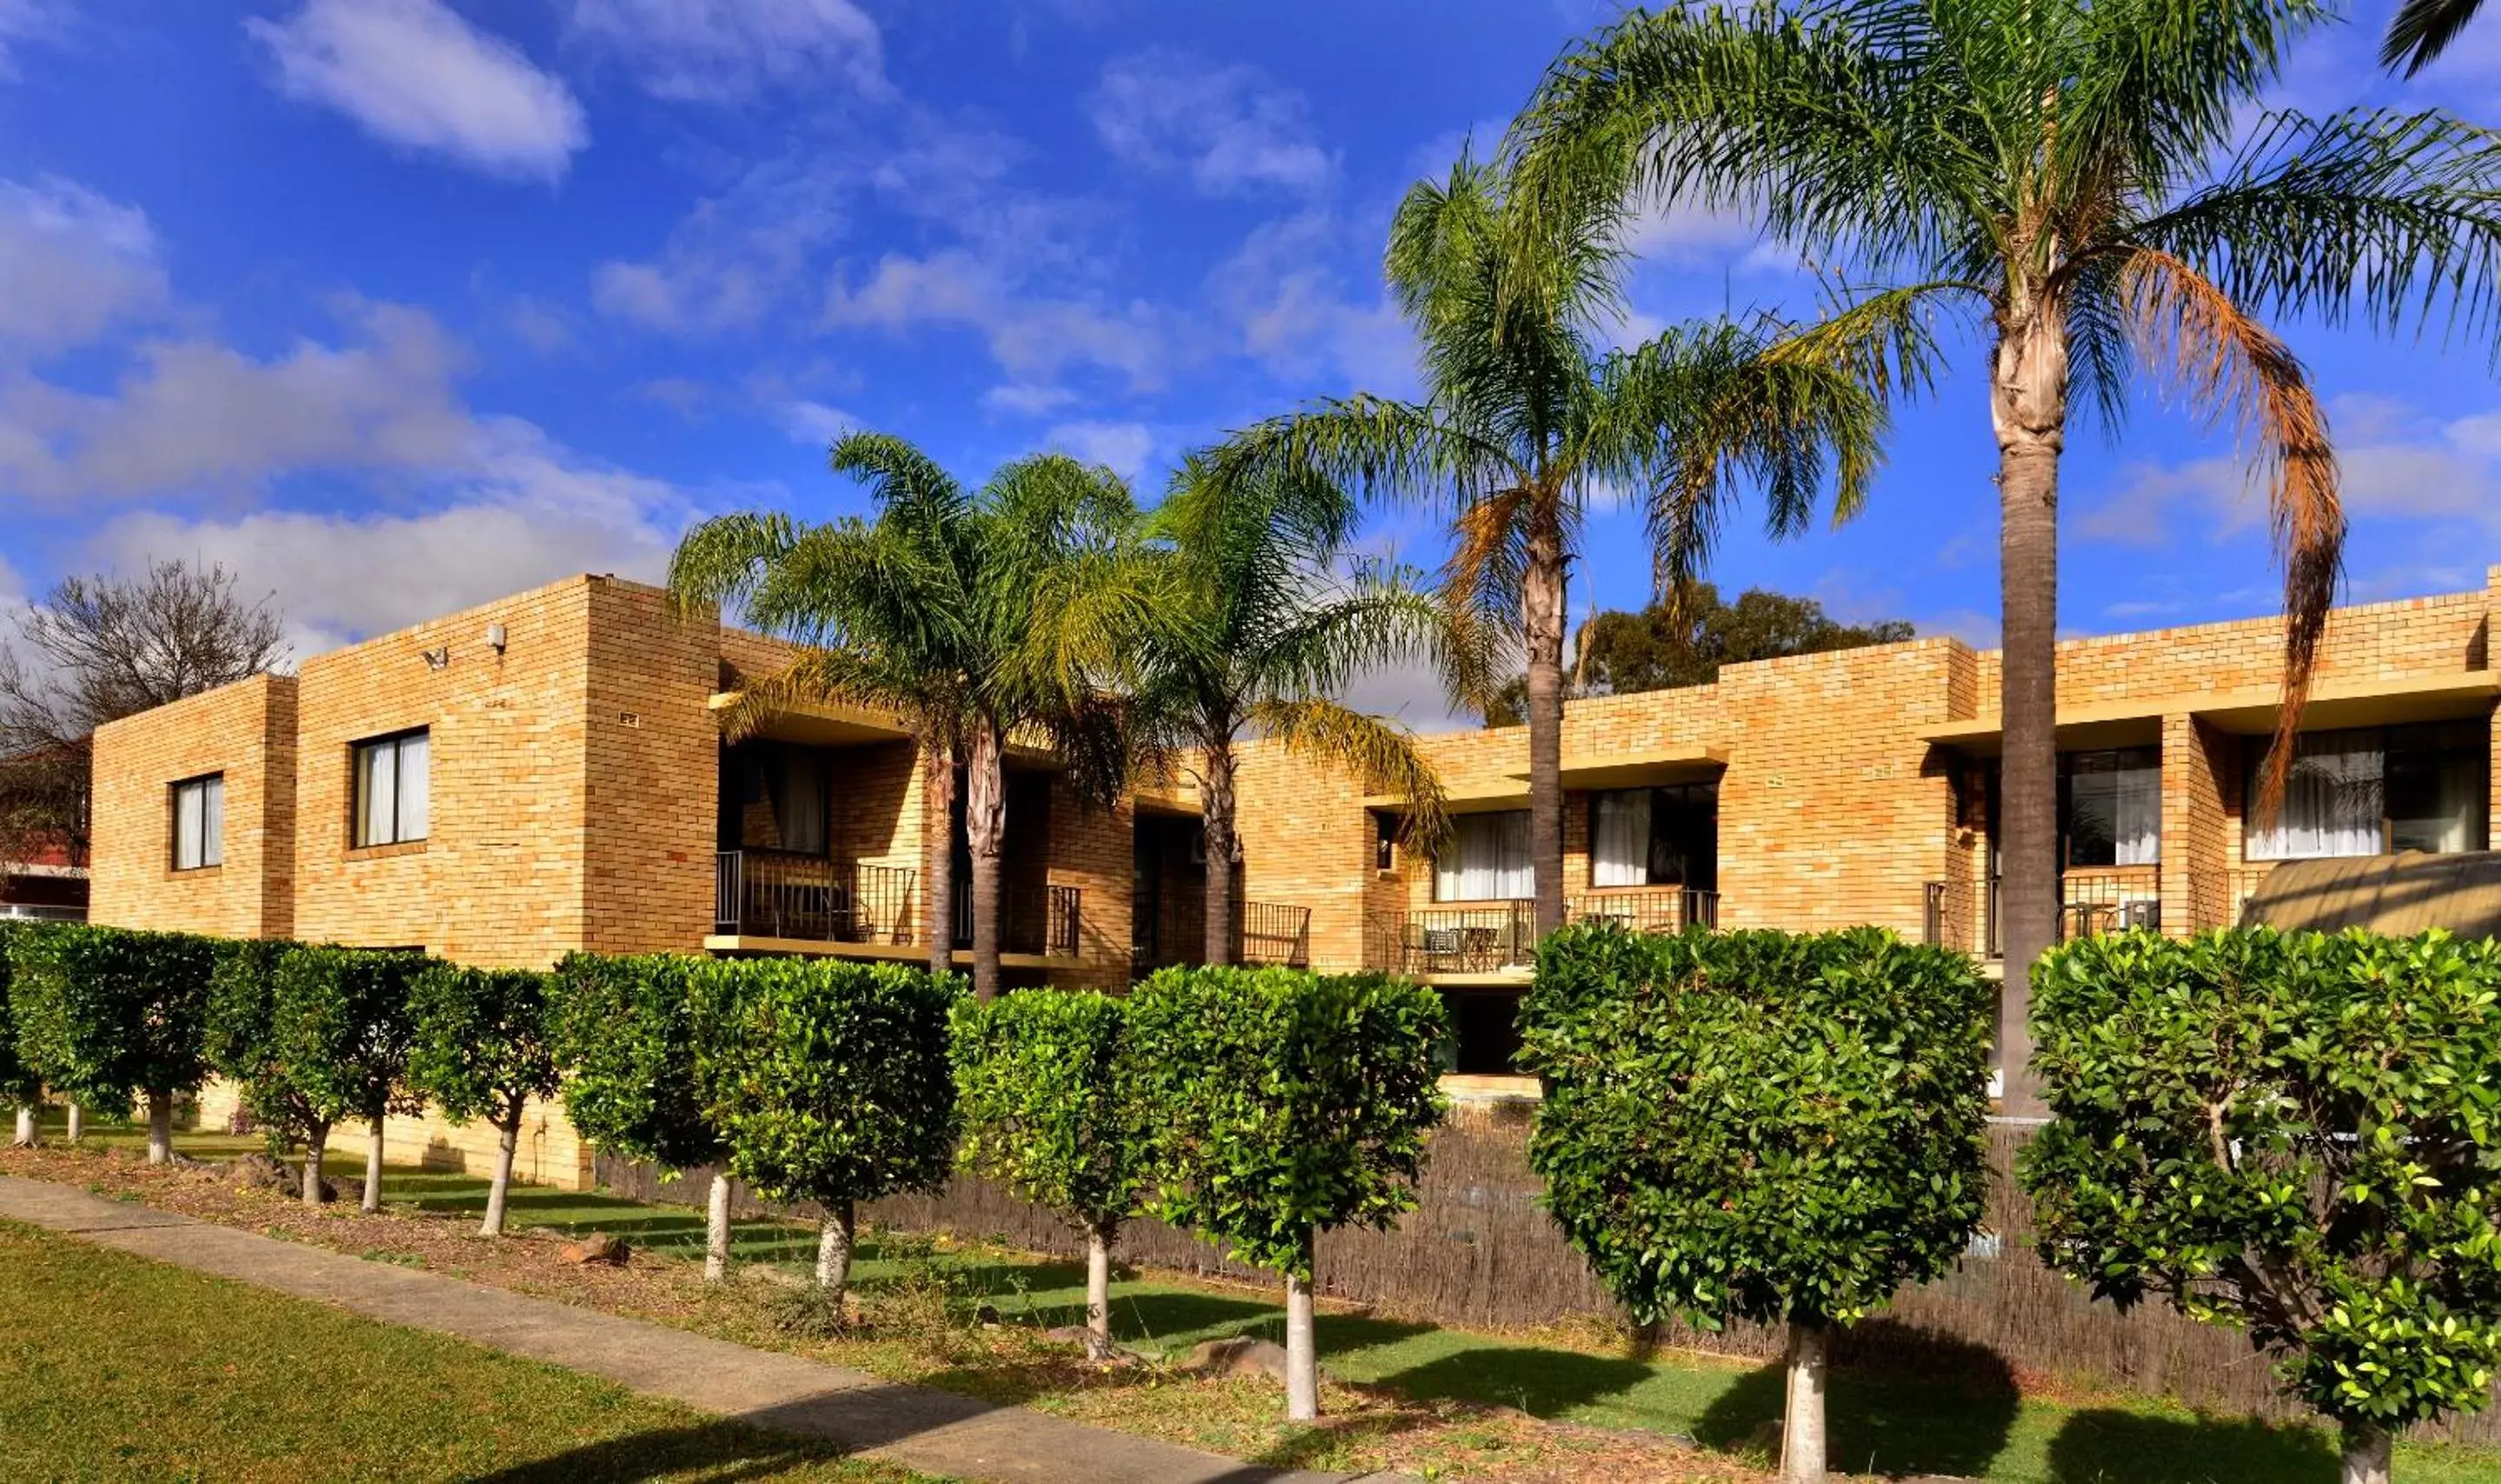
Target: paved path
{"points": [[931, 1430]]}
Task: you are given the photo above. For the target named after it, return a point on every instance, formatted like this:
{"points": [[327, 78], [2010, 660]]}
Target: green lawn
{"points": [[115, 1368], [1912, 1425]]}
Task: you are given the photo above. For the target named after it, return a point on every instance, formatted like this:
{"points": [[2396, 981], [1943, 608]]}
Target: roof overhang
{"points": [[2248, 710], [1682, 763], [817, 723]]}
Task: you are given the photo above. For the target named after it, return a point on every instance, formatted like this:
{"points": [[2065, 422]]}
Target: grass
{"points": [[115, 1368], [1972, 1423]]}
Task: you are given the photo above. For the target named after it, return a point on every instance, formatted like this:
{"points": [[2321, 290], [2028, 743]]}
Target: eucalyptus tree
{"points": [[2089, 183], [943, 610], [1528, 417], [1252, 621]]}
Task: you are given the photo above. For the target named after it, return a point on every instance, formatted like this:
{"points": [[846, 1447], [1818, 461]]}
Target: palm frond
{"points": [[720, 561], [841, 677], [1382, 755], [1388, 450], [2422, 29]]}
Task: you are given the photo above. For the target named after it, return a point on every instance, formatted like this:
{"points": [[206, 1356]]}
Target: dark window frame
{"points": [[357, 776], [213, 848]]}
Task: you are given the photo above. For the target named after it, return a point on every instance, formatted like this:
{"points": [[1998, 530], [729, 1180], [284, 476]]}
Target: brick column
{"points": [[2196, 771]]}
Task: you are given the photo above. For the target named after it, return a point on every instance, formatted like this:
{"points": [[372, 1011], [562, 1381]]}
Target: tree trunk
{"points": [[317, 1143], [1802, 1449], [78, 1122], [1098, 1294], [27, 1135], [717, 1230], [834, 1251], [372, 1203], [508, 1143], [160, 1126], [1301, 1357], [985, 820], [2028, 407], [938, 855], [1542, 617], [1216, 802], [2366, 1454]]}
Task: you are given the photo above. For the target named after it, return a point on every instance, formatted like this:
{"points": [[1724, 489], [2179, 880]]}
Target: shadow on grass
{"points": [[717, 1453], [1543, 1383], [2107, 1446], [1940, 1406]]}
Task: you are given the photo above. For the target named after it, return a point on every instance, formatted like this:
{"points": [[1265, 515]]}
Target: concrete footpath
{"points": [[929, 1431]]}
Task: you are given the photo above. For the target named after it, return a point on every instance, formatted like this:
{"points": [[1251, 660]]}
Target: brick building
{"points": [[547, 773]]}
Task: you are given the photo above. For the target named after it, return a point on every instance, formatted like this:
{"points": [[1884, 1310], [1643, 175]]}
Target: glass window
{"points": [[200, 822], [1656, 836], [394, 794], [2373, 789], [2111, 807], [1486, 860]]}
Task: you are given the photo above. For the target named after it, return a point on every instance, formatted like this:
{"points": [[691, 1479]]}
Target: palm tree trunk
{"points": [[938, 853], [2028, 406], [1215, 799], [1541, 617], [986, 819]]}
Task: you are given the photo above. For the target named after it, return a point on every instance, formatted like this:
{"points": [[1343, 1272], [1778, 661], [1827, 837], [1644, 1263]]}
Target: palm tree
{"points": [[2069, 170], [2422, 29], [1247, 625], [939, 611], [1526, 417]]}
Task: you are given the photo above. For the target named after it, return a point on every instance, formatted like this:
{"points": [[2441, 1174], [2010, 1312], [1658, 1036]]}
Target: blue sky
{"points": [[394, 306]]}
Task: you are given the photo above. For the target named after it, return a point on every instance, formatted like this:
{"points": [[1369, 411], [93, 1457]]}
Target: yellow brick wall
{"points": [[245, 731]]}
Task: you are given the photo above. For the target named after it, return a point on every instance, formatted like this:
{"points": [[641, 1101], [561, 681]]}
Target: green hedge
{"points": [[626, 1037], [19, 1082], [2298, 1134], [1042, 1081], [104, 1015], [1759, 1125], [1284, 1102], [341, 1031]]}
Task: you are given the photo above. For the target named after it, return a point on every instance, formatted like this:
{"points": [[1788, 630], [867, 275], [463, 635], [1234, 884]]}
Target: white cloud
{"points": [[1033, 338], [1228, 128], [735, 255], [74, 263], [191, 415], [29, 20], [1290, 308], [813, 422], [413, 74], [540, 325], [729, 51], [1026, 399], [1123, 447]]}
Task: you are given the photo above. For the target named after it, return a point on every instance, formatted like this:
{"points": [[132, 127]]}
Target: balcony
{"points": [[1264, 934], [1964, 914], [1499, 938], [779, 902]]}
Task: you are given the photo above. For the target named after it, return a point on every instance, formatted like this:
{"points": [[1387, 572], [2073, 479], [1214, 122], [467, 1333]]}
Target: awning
{"points": [[1583, 771], [2393, 894]]}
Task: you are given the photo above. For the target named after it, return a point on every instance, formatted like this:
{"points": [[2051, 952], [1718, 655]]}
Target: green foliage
{"points": [[19, 1083], [1759, 1125], [2296, 1134], [104, 1015], [1048, 1109], [235, 1028], [626, 1039], [340, 1033], [829, 1079], [482, 1039], [1288, 1102]]}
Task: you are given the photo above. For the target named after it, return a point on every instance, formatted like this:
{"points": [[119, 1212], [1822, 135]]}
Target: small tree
{"points": [[1288, 1104], [829, 1083], [1049, 1112], [111, 1016], [1762, 1126], [236, 1032], [2295, 1134], [482, 1047], [18, 1081], [339, 1036], [626, 1039]]}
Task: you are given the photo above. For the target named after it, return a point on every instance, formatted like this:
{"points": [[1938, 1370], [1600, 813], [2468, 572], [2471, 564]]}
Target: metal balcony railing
{"points": [[1493, 937], [1963, 913], [1264, 932], [1037, 920], [780, 894]]}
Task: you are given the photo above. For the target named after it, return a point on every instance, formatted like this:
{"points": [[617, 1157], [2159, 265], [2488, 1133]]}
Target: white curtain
{"points": [[414, 786], [2136, 815], [378, 795], [1620, 840], [1486, 860], [213, 821], [2332, 801], [199, 823]]}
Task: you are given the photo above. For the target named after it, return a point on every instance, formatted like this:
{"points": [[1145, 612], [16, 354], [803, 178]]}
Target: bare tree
{"points": [[96, 649]]}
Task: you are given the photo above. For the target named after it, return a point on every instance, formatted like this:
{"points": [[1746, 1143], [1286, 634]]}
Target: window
{"points": [[2374, 789], [1656, 836], [1385, 842], [798, 790], [200, 822], [391, 789], [2110, 810], [1486, 860]]}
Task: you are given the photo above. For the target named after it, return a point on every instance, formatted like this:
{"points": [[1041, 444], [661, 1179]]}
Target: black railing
{"points": [[1037, 920], [1964, 914], [1264, 932], [1273, 933], [1495, 936], [779, 894]]}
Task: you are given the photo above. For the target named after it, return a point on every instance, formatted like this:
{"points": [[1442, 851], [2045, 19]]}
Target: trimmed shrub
{"points": [[829, 1083], [339, 1037], [19, 1082], [110, 1016], [1049, 1112], [1763, 1126], [1286, 1103], [482, 1046], [626, 1042], [2298, 1134]]}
